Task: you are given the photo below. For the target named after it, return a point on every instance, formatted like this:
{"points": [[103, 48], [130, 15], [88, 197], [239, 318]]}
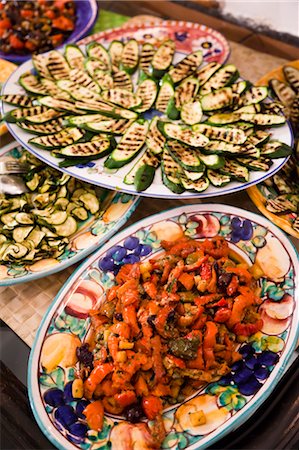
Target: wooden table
{"points": [[22, 306]]}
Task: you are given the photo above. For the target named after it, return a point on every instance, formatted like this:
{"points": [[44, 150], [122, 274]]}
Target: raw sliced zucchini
{"points": [[104, 79], [115, 51], [275, 149], [113, 126], [147, 91], [19, 115], [90, 202], [221, 78], [292, 76], [121, 79], [203, 74], [191, 112], [171, 173], [218, 179], [97, 149], [165, 94], [197, 185], [235, 171], [143, 172], [23, 101], [146, 56], [186, 157], [53, 126], [96, 50], [93, 64], [222, 98], [255, 94], [225, 148], [186, 66], [80, 77], [78, 92], [63, 138], [155, 140], [162, 58], [211, 161], [57, 65], [122, 98], [40, 64], [74, 56], [231, 135], [129, 145], [182, 134], [31, 83], [130, 56], [263, 164], [186, 91]]}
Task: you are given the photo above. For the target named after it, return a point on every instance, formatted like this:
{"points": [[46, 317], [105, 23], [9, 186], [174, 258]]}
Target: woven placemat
{"points": [[22, 306]]}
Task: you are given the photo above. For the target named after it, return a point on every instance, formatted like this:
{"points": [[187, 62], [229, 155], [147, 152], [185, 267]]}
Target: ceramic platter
{"points": [[188, 37], [229, 401], [116, 208]]}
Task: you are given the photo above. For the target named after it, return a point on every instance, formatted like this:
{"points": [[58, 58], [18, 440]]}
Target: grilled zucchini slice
{"points": [[62, 139], [57, 65], [186, 157], [197, 185], [182, 134], [155, 140], [40, 64], [191, 112], [147, 91], [96, 50], [19, 115], [23, 101], [262, 120], [218, 179], [233, 150], [231, 135], [104, 79], [223, 98], [223, 77], [275, 149], [96, 149], [235, 171], [129, 145], [130, 56], [255, 94], [31, 83], [115, 51], [53, 126], [203, 74], [81, 120], [211, 161], [93, 64], [165, 94], [74, 56], [58, 104], [78, 92], [121, 79], [285, 94], [146, 56], [292, 76], [162, 59], [81, 78], [186, 66], [262, 164], [113, 126], [171, 173], [121, 97], [186, 91], [143, 172]]}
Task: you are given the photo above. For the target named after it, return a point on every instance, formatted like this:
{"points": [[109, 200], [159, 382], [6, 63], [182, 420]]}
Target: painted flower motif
{"points": [[17, 271], [16, 152], [175, 440], [65, 322], [86, 165], [181, 35], [207, 225], [241, 230], [261, 342], [210, 47], [228, 396]]}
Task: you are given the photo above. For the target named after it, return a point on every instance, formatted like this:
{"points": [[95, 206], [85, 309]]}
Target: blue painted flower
{"points": [[181, 36], [88, 164], [241, 230]]}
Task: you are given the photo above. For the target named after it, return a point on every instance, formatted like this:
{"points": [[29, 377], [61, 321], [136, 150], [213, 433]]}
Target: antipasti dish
{"points": [[56, 223], [151, 120], [171, 335]]}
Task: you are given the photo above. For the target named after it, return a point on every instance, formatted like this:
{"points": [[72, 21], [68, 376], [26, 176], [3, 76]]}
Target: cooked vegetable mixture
{"points": [[35, 26], [37, 225], [169, 325], [214, 129]]}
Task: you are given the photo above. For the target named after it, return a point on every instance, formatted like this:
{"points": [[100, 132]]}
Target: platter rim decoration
{"points": [[234, 421], [83, 253]]}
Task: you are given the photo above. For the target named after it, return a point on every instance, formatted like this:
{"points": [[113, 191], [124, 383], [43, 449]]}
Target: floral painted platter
{"points": [[115, 211], [188, 37], [227, 403]]}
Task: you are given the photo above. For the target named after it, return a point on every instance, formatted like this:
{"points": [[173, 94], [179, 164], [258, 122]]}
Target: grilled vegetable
{"points": [[162, 58], [222, 98], [225, 148], [93, 64], [115, 51], [292, 76], [155, 140], [129, 145], [81, 78], [79, 120], [53, 126], [182, 134], [121, 79], [147, 91], [57, 65], [235, 171], [231, 135], [171, 173], [19, 115], [96, 149], [96, 50], [203, 74], [211, 161], [283, 92], [74, 56], [186, 91], [275, 149], [63, 138], [218, 179], [284, 203], [264, 120], [113, 126], [103, 79], [191, 112], [165, 94], [185, 156], [23, 101], [31, 83], [197, 185], [122, 97], [143, 172], [130, 56], [221, 78], [146, 56], [186, 66], [253, 95], [263, 164]]}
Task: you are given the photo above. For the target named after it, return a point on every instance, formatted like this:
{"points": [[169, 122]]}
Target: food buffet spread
{"points": [[172, 331]]}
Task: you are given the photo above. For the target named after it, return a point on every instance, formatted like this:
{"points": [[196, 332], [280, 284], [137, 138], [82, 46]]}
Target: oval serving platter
{"points": [[115, 211], [229, 401], [188, 37]]}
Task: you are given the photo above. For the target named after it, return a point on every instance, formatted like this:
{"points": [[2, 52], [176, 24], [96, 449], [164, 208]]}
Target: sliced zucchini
{"points": [[283, 203], [275, 149], [252, 109], [130, 56], [53, 126], [191, 112], [231, 135], [222, 98], [285, 94], [79, 120], [221, 78], [255, 94], [31, 83], [186, 66], [62, 139], [292, 76], [186, 91], [68, 228], [24, 218], [171, 173], [147, 91], [186, 157], [235, 171], [96, 50], [57, 65], [129, 145], [162, 58], [23, 101], [155, 140], [80, 213], [113, 126], [14, 251], [53, 90], [194, 176], [115, 51], [104, 79], [218, 179], [122, 98], [263, 164], [80, 77], [225, 148], [19, 115], [121, 79], [146, 56], [90, 202], [197, 185], [97, 148], [93, 64], [258, 138], [265, 120], [211, 161], [182, 134], [58, 104], [108, 109], [78, 92], [40, 64], [165, 94], [203, 74], [143, 172], [19, 234], [273, 107], [74, 56]]}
